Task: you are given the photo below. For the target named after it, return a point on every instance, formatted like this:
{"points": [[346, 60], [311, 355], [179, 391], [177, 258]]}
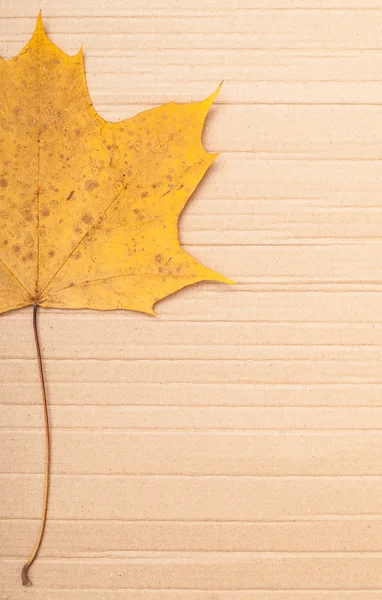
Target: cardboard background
{"points": [[231, 448]]}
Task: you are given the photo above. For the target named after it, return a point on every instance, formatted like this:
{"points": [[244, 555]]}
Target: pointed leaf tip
{"points": [[39, 23], [39, 30], [210, 275], [223, 279], [212, 97]]}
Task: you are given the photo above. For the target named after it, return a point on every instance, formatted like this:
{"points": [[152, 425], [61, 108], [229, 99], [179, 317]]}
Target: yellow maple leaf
{"points": [[90, 208]]}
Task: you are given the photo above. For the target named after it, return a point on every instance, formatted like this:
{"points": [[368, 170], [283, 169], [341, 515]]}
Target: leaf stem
{"points": [[24, 572]]}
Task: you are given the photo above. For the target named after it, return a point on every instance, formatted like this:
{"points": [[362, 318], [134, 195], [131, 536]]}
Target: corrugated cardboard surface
{"points": [[230, 449]]}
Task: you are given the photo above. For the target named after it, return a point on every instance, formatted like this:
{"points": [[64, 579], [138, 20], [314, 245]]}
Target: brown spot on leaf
{"points": [[78, 132], [45, 212], [90, 185], [144, 195], [70, 195], [87, 218], [77, 255], [158, 258], [16, 248], [3, 182], [138, 213], [5, 242], [51, 253]]}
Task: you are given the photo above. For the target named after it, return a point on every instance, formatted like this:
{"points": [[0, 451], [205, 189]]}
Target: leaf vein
{"points": [[85, 236], [14, 276]]}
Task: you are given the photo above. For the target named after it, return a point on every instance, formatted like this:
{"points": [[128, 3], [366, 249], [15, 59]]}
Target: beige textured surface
{"points": [[230, 449]]}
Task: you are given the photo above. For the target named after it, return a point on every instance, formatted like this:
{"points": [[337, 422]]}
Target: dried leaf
{"points": [[88, 208]]}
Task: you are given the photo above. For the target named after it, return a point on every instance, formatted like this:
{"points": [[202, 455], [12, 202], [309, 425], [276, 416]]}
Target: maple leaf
{"points": [[89, 209]]}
